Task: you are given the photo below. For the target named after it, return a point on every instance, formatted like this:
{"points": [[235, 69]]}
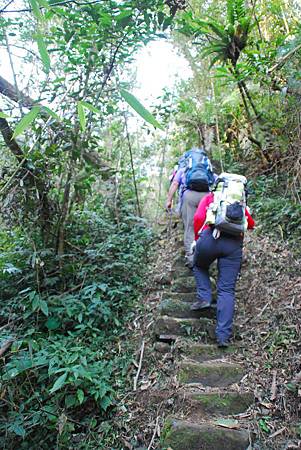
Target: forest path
{"points": [[208, 377], [217, 399]]}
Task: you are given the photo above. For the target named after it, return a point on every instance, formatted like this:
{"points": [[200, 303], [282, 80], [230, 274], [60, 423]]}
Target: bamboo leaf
{"points": [[43, 51], [36, 10], [59, 383], [139, 108], [90, 107], [3, 115], [228, 423], [81, 115], [26, 121]]}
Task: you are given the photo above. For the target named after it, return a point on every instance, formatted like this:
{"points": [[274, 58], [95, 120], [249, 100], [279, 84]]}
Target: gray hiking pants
{"points": [[190, 202]]}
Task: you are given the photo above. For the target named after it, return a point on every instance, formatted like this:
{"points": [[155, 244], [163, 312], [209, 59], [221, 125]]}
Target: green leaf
{"points": [[263, 425], [43, 51], [59, 383], [139, 108], [3, 115], [90, 107], [36, 9], [124, 18], [105, 402], [81, 116], [52, 323], [35, 302], [80, 395], [17, 429], [167, 22], [44, 3], [44, 307], [26, 121], [161, 16], [70, 400]]}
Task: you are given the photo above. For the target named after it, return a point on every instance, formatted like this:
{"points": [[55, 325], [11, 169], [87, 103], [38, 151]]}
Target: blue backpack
{"points": [[198, 170]]}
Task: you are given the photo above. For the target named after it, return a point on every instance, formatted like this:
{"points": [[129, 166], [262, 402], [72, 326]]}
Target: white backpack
{"points": [[227, 212]]}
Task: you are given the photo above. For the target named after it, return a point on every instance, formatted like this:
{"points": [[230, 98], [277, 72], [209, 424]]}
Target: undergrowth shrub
{"points": [[278, 212], [68, 316]]}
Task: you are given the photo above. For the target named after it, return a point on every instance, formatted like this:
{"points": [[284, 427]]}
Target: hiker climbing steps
{"points": [[208, 377]]}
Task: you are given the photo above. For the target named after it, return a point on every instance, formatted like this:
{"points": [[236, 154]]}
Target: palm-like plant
{"points": [[226, 41]]}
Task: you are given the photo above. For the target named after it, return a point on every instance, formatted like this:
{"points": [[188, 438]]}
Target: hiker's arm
{"points": [[200, 214], [173, 188], [250, 220]]}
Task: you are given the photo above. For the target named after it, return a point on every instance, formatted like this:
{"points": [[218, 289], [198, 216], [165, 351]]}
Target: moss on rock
{"points": [[211, 374], [182, 435], [222, 403]]}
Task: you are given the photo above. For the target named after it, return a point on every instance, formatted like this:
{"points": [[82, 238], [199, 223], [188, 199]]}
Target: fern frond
{"points": [[231, 11], [214, 60], [240, 9], [218, 29]]}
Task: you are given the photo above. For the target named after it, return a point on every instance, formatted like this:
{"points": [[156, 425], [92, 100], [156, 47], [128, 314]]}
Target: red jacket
{"points": [[200, 215]]}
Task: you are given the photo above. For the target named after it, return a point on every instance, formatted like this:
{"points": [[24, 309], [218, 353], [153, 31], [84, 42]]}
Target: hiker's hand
{"points": [[168, 204]]}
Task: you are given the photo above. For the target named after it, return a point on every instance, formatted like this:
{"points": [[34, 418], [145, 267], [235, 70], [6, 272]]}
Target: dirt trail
{"points": [[199, 397]]}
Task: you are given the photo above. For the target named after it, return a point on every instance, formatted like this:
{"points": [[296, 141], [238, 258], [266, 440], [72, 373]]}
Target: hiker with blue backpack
{"points": [[193, 179], [220, 222]]}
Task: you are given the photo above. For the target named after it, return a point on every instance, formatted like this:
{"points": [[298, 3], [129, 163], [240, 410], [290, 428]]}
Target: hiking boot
{"points": [[223, 344], [198, 305]]}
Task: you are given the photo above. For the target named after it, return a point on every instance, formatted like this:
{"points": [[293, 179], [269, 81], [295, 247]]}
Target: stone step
{"points": [[203, 352], [175, 308], [173, 326], [181, 272], [184, 297], [187, 284], [184, 435], [214, 374], [219, 403], [183, 284]]}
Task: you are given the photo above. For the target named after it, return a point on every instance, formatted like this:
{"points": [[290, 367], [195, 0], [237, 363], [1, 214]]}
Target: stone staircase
{"points": [[208, 377]]}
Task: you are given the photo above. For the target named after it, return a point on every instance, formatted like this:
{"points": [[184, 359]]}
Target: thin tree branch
{"points": [[5, 347], [51, 6], [10, 91], [132, 166], [139, 366], [7, 134], [284, 58], [6, 6], [13, 71], [253, 3]]}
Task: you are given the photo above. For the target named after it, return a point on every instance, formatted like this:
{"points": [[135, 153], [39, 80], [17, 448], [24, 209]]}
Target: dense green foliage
{"points": [[67, 357], [72, 249]]}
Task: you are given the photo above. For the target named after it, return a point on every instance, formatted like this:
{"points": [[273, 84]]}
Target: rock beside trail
{"points": [[183, 435]]}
